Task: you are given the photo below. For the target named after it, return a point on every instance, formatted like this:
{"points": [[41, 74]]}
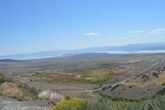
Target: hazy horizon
{"points": [[81, 48]]}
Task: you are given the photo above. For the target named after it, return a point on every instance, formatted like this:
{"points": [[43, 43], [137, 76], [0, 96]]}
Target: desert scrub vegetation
{"points": [[157, 103], [86, 76], [9, 88], [28, 93], [71, 104], [4, 79], [124, 105], [80, 104], [119, 104], [161, 92], [17, 90]]}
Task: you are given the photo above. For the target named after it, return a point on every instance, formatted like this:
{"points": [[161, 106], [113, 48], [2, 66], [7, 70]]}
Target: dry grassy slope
{"points": [[87, 66], [89, 70], [77, 61], [138, 88]]}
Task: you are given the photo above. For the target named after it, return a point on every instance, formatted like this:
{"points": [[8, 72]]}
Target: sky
{"points": [[28, 26]]}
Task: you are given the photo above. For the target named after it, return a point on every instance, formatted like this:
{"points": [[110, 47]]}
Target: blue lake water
{"points": [[132, 52]]}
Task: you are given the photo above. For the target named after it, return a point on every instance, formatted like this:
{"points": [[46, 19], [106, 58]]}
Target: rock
{"points": [[51, 96], [10, 89]]}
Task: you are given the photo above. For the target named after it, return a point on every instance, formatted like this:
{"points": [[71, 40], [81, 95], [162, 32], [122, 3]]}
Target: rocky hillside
{"points": [[140, 87]]}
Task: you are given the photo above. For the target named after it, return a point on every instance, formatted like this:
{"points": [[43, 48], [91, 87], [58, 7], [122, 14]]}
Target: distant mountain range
{"points": [[127, 49]]}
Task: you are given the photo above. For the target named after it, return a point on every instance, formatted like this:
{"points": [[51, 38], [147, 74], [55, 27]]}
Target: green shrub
{"points": [[71, 104], [125, 105], [157, 103], [29, 93], [95, 106], [4, 79], [78, 104], [161, 92]]}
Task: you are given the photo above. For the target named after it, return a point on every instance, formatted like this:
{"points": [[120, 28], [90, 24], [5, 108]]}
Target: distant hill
{"points": [[127, 49], [132, 47], [8, 60]]}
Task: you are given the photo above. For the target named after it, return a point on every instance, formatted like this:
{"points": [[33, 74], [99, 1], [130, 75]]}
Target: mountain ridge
{"points": [[131, 48]]}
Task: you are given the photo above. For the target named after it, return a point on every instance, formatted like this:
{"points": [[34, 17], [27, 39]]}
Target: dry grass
{"points": [[155, 81]]}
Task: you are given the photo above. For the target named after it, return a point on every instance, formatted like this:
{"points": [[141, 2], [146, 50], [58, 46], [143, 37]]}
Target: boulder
{"points": [[10, 89]]}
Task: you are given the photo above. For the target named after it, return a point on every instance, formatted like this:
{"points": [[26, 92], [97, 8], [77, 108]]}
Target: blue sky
{"points": [[28, 26]]}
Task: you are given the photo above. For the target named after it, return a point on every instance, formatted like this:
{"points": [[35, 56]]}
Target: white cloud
{"points": [[154, 35], [137, 32], [157, 31], [151, 33], [91, 34]]}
